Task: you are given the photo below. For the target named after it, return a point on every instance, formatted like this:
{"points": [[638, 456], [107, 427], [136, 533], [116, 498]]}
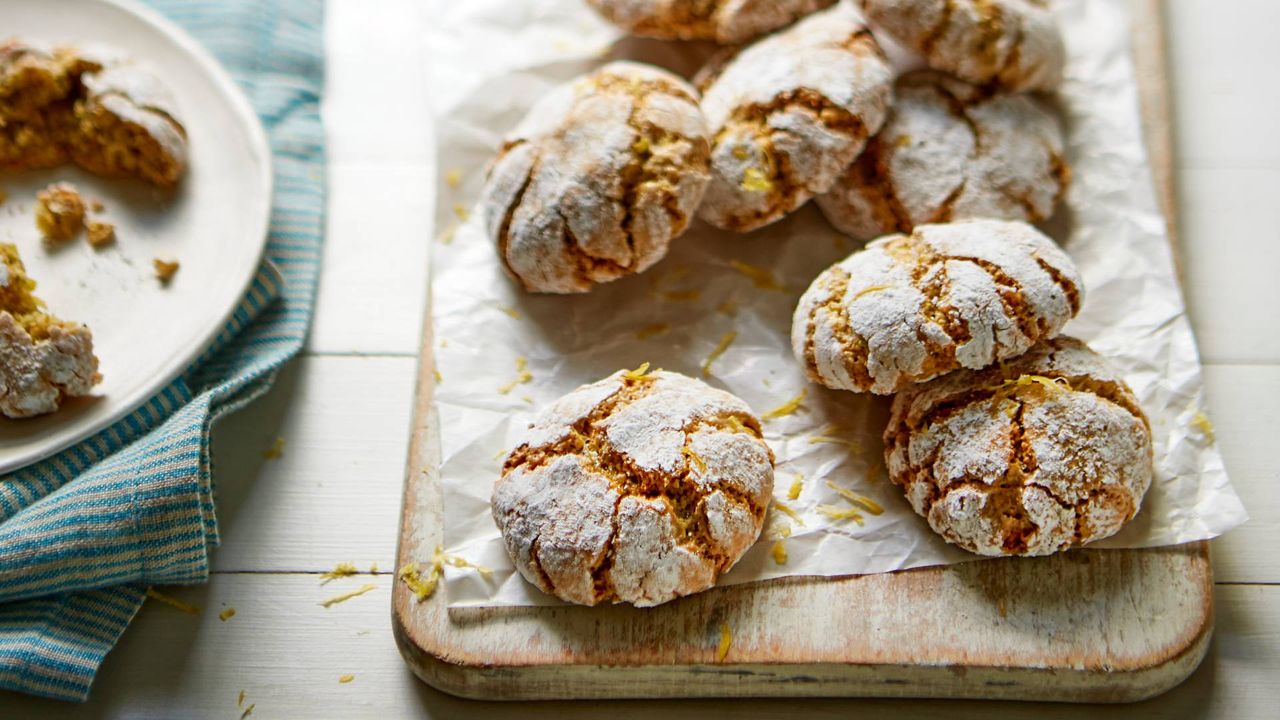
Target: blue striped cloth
{"points": [[84, 533]]}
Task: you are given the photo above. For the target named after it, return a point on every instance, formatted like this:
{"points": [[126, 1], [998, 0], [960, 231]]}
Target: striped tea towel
{"points": [[82, 534]]}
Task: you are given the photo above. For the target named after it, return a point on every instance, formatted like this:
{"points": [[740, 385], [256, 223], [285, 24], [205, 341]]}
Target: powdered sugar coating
{"points": [[634, 489], [789, 113], [598, 179], [951, 151], [724, 21], [1013, 44], [1040, 454], [35, 375], [909, 308]]}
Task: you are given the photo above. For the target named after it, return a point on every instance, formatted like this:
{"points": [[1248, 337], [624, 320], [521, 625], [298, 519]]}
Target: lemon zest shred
{"points": [[461, 212], [694, 458], [726, 642], [788, 511], [682, 295], [344, 679], [754, 180], [862, 501], [435, 372], [522, 376], [1010, 386], [1202, 422], [784, 530], [728, 307], [902, 140], [779, 552], [640, 373], [787, 408], [869, 290], [724, 344], [240, 701], [850, 443], [227, 614], [446, 237], [796, 486], [423, 588], [276, 451], [839, 513], [342, 569], [641, 145], [760, 277], [453, 178], [513, 313], [248, 711], [373, 568], [741, 152], [347, 596], [173, 602], [654, 330]]}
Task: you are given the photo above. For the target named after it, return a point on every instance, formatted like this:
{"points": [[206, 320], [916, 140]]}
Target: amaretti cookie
{"points": [[42, 359], [639, 488], [908, 308], [93, 105], [951, 151], [1012, 44], [723, 21], [789, 113], [1036, 455], [599, 179]]}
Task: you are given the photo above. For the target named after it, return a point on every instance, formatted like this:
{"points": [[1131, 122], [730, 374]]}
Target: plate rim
{"points": [[256, 138]]}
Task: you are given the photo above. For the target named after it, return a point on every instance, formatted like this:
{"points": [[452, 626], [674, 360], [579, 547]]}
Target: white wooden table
{"points": [[343, 410]]}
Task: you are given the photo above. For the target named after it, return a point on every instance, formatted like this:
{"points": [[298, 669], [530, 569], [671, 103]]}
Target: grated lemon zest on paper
{"points": [[248, 711], [796, 486], [342, 569], [682, 295], [173, 602], [1202, 422], [461, 211], [725, 342], [276, 451], [779, 552], [760, 277], [862, 501], [227, 614], [423, 588], [453, 178], [347, 596], [240, 701], [728, 307], [787, 408], [850, 443], [513, 313], [788, 511], [344, 679], [522, 376], [839, 513], [446, 237], [726, 642], [435, 373], [654, 330]]}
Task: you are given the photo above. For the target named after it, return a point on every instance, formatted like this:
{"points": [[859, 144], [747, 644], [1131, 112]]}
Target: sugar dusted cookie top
{"points": [[1013, 44], [639, 488], [724, 21], [789, 114], [951, 151], [908, 308], [598, 179], [1039, 454]]}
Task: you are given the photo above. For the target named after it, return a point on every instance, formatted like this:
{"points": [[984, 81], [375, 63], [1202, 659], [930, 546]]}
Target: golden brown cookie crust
{"points": [[722, 21], [1040, 454], [952, 151], [598, 179], [640, 488]]}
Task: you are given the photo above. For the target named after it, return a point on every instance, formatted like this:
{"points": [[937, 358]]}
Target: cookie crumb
{"points": [[344, 679], [97, 206], [100, 234], [59, 212], [165, 269], [276, 451]]}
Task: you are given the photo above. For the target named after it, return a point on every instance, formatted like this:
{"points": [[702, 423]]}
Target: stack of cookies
{"points": [[1007, 437]]}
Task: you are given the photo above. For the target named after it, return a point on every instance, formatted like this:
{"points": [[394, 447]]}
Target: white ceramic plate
{"points": [[215, 225]]}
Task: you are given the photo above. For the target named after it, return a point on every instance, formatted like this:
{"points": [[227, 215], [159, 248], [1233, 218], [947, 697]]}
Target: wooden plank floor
{"points": [[343, 410]]}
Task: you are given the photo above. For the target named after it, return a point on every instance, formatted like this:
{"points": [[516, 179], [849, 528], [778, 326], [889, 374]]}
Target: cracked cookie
{"points": [[909, 308], [42, 359], [724, 21], [788, 114], [92, 105], [639, 488], [598, 179], [1012, 44], [1040, 454], [951, 151]]}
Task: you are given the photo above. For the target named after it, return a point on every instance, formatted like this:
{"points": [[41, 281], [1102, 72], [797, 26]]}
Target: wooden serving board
{"points": [[1085, 626]]}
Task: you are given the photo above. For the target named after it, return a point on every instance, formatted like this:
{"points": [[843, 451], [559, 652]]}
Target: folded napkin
{"points": [[82, 534]]}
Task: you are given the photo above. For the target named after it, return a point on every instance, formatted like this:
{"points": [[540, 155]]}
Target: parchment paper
{"points": [[489, 60]]}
